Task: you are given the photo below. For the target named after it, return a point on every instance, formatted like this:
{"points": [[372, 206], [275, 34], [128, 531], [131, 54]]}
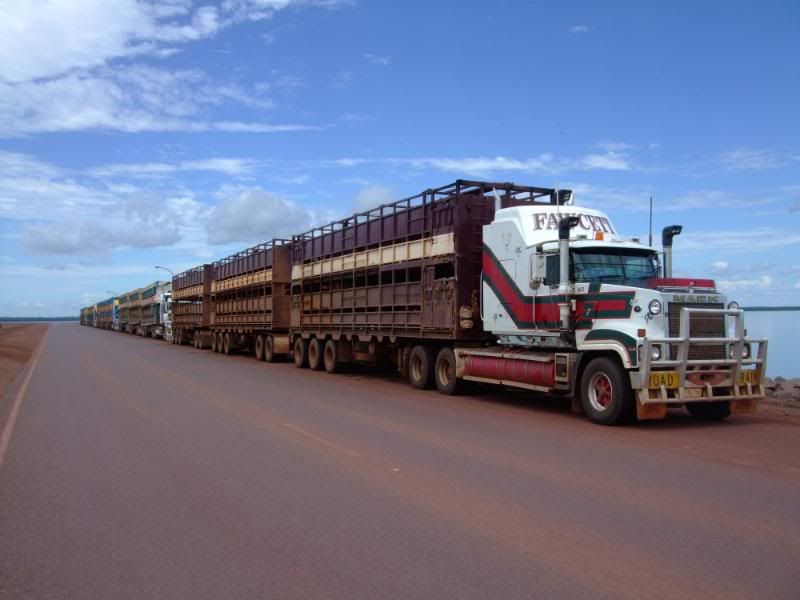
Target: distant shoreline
{"points": [[35, 319]]}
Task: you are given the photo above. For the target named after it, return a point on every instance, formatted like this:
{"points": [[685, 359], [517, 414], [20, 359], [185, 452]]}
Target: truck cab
{"points": [[628, 337]]}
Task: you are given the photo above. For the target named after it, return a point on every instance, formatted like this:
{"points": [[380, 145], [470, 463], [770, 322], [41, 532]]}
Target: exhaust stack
{"points": [[564, 227], [667, 234]]}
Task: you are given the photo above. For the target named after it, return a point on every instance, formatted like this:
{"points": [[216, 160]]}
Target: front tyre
{"points": [[606, 392], [709, 411]]}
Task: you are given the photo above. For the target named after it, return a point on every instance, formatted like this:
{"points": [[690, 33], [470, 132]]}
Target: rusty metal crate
{"points": [[408, 268], [250, 289]]}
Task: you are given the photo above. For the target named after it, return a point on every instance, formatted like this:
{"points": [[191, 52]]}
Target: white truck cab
{"points": [[559, 280]]}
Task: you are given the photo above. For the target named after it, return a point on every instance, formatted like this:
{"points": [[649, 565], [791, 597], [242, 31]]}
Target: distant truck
{"points": [[156, 310]]}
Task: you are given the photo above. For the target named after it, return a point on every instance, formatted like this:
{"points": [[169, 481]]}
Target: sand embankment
{"points": [[17, 344]]}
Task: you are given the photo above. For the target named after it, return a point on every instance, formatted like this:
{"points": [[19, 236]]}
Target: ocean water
{"points": [[782, 330]]}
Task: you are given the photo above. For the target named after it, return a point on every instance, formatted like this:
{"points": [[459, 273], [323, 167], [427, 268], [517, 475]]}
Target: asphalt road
{"points": [[139, 469]]}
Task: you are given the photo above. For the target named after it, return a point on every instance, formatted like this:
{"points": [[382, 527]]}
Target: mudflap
{"points": [[650, 412], [743, 407]]}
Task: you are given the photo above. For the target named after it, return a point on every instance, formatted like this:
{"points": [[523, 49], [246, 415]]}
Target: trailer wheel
{"points": [[331, 356], [259, 349], [226, 343], [709, 411], [300, 352], [269, 349], [315, 355], [445, 373], [421, 367], [214, 342], [606, 392]]}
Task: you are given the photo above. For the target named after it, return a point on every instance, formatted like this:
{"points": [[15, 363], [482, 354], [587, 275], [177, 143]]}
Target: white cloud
{"points": [[129, 223], [134, 99], [226, 166], [378, 60], [610, 161], [720, 267], [732, 285], [67, 66], [748, 240], [42, 40], [747, 159], [372, 197], [578, 29], [484, 166], [253, 215]]}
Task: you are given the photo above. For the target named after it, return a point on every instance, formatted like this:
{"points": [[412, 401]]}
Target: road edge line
{"points": [[8, 429]]}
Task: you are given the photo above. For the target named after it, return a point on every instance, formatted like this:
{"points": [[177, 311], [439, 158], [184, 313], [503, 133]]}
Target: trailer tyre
{"points": [[226, 343], [445, 373], [709, 411], [331, 356], [421, 367], [315, 352], [214, 342], [606, 392], [269, 349], [300, 353], [259, 347]]}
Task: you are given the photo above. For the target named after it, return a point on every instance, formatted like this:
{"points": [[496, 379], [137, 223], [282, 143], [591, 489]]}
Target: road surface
{"points": [[138, 469]]}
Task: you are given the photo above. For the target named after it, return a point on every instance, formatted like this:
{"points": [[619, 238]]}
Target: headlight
{"points": [[654, 307], [745, 351], [733, 305], [655, 352]]}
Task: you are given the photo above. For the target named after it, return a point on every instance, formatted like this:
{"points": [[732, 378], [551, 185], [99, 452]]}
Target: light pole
{"points": [[166, 269]]}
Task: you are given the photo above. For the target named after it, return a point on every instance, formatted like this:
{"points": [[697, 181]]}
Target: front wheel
{"points": [[606, 392], [709, 411]]}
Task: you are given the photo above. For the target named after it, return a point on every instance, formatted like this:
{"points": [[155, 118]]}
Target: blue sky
{"points": [[175, 133]]}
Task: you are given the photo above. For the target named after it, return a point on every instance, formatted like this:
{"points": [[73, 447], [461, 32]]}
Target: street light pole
{"points": [[166, 269]]}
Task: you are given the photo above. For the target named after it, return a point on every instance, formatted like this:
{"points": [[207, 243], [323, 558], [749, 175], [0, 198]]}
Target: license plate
{"points": [[669, 379], [750, 376]]}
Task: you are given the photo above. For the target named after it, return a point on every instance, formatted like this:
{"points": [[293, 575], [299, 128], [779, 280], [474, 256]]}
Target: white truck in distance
{"points": [[577, 309]]}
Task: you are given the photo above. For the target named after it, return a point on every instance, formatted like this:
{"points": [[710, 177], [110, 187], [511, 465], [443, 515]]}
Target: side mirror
{"points": [[538, 270]]}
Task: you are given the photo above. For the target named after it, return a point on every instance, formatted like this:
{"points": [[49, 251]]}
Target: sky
{"points": [[174, 133]]}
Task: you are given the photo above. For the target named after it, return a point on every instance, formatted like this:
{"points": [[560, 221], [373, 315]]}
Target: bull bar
{"points": [[727, 370]]}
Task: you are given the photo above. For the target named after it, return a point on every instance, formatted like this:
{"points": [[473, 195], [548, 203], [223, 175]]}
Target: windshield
{"points": [[595, 264]]}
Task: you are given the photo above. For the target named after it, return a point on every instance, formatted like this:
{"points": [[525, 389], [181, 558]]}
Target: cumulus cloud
{"points": [[254, 215], [46, 40], [372, 197], [131, 223], [60, 66]]}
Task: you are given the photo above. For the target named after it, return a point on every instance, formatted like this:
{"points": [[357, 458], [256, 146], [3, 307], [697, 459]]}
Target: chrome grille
{"points": [[699, 326]]}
